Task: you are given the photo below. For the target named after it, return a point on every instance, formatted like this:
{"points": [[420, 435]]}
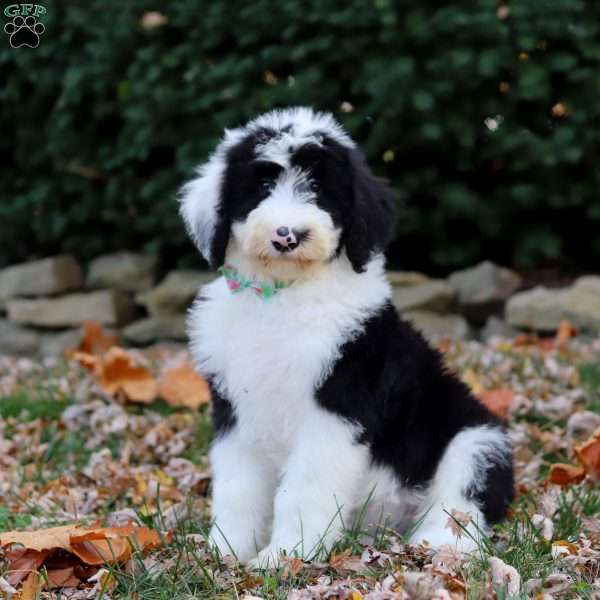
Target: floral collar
{"points": [[236, 282]]}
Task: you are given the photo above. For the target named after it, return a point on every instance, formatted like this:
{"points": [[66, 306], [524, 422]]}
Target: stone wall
{"points": [[44, 303]]}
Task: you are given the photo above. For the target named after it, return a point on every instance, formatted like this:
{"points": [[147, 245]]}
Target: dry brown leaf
{"points": [[250, 581], [88, 361], [344, 561], [113, 544], [564, 474], [498, 401], [117, 372], [58, 578], [22, 562], [588, 455], [31, 587], [27, 551], [95, 341], [458, 521], [182, 386], [43, 539], [293, 566], [121, 374]]}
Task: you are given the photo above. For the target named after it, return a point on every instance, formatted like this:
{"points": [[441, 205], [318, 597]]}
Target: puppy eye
{"points": [[315, 186], [265, 184]]}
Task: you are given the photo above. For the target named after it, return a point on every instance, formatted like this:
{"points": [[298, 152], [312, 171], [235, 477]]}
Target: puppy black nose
{"points": [[284, 240]]}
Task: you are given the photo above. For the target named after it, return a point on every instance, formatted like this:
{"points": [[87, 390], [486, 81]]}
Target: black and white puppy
{"points": [[323, 398]]}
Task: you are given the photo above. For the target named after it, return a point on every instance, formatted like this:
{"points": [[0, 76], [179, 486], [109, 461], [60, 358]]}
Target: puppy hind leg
{"points": [[471, 489]]}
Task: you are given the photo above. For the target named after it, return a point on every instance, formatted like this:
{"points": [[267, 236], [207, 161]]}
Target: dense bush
{"points": [[484, 115]]}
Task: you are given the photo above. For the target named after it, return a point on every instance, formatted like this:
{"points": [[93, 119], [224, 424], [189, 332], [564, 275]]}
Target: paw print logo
{"points": [[24, 31]]}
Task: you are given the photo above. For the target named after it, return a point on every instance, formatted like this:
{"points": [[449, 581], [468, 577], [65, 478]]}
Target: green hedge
{"points": [[484, 115]]}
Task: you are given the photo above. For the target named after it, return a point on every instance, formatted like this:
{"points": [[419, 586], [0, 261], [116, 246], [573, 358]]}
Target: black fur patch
{"points": [[327, 165], [223, 415], [373, 213], [498, 492], [393, 384]]}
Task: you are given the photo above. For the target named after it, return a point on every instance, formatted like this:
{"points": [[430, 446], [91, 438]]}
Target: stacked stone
{"points": [[44, 303]]}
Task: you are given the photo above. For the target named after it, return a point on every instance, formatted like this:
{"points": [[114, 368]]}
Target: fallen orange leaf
{"points": [[43, 539], [120, 373], [498, 401], [182, 386], [293, 566], [117, 372], [564, 474], [95, 340], [58, 578], [63, 550], [88, 361], [588, 455], [116, 544]]}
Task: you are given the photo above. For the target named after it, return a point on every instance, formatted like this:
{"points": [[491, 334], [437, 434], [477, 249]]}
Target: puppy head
{"points": [[287, 193]]}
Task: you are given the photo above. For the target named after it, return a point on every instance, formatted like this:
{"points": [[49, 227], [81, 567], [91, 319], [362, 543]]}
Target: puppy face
{"points": [[286, 194]]}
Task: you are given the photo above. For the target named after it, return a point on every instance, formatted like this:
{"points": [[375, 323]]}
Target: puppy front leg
{"points": [[243, 487], [321, 483]]}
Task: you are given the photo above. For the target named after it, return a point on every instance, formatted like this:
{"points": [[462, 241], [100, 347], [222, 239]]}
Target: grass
{"points": [[28, 407], [590, 380], [518, 542], [198, 449], [189, 569], [522, 545], [10, 521]]}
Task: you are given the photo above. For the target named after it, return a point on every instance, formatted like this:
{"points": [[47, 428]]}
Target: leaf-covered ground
{"points": [[72, 452]]}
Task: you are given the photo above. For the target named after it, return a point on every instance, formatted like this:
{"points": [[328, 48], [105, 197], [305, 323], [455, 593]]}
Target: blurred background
{"points": [[484, 114]]}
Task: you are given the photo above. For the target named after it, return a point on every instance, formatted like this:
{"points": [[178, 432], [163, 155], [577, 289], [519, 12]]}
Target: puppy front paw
{"points": [[239, 545], [268, 558], [271, 557]]}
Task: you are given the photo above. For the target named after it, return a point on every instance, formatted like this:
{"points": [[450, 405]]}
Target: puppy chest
{"points": [[267, 362], [269, 366]]}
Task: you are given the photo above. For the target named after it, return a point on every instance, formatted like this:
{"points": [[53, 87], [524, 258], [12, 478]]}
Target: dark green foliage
{"points": [[105, 119]]}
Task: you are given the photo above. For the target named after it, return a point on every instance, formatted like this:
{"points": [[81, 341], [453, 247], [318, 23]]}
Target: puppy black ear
{"points": [[371, 223], [201, 209]]}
